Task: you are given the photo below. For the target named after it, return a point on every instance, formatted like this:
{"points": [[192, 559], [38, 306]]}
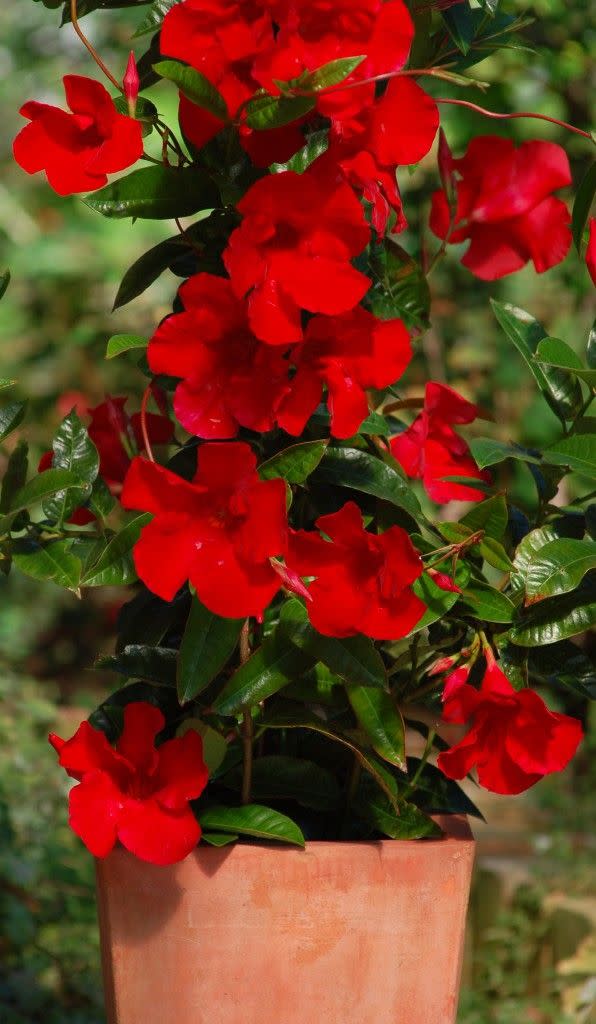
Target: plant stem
{"points": [[75, 24], [512, 117], [144, 430], [425, 756], [247, 724]]}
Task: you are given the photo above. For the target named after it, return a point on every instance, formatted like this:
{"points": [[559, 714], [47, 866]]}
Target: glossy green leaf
{"points": [[252, 820], [215, 746], [276, 777], [490, 515], [359, 471], [559, 567], [150, 266], [218, 839], [316, 144], [42, 486], [15, 475], [265, 112], [294, 464], [556, 619], [333, 73], [434, 793], [101, 501], [194, 86], [10, 418], [560, 388], [145, 112], [488, 452], [207, 645], [154, 18], [553, 352], [438, 601], [4, 282], [380, 719], [403, 822], [137, 661], [54, 562], [462, 23], [400, 287], [272, 666], [566, 664], [73, 450], [578, 451], [355, 659], [295, 717], [487, 604], [495, 554], [115, 566], [157, 193], [526, 551], [120, 343], [584, 198]]}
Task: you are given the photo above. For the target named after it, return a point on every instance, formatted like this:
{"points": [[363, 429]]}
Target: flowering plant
{"points": [[302, 598]]}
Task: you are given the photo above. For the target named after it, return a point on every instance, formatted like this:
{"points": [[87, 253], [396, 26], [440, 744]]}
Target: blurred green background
{"points": [[532, 952]]}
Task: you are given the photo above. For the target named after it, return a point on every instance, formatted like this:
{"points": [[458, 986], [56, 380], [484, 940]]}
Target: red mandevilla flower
{"points": [[505, 206], [347, 354], [118, 436], [430, 450], [220, 531], [136, 793], [77, 151], [292, 252], [513, 740], [591, 250], [230, 378], [362, 581]]}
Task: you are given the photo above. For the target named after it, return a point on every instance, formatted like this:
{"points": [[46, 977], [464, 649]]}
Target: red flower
{"points": [[362, 582], [220, 531], [505, 206], [77, 151], [347, 354], [118, 436], [430, 450], [513, 740], [230, 379], [292, 252], [591, 250], [137, 793]]}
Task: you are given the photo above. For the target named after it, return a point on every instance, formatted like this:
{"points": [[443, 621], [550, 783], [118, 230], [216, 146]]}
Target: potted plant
{"points": [[303, 600]]}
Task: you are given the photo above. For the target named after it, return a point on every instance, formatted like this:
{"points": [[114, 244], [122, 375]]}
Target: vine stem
{"points": [[144, 430], [512, 117], [247, 724], [79, 31]]}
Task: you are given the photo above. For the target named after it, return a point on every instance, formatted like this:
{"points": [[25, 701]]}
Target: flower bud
{"points": [[132, 84]]}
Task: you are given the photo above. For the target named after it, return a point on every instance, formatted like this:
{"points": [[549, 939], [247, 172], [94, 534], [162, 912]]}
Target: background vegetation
{"points": [[54, 322]]}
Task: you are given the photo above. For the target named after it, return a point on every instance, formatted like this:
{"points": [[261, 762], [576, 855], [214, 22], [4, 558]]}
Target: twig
{"points": [[75, 24]]}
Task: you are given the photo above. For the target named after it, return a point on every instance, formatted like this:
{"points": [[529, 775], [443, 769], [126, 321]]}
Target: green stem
{"points": [[247, 724]]}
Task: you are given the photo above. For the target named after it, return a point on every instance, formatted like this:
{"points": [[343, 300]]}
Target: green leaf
{"points": [[591, 348], [42, 486], [556, 619], [438, 601], [294, 464], [382, 722], [488, 452], [215, 747], [207, 645], [490, 515], [276, 777], [495, 554], [359, 471], [355, 659], [462, 23], [252, 820], [153, 20], [436, 794], [137, 661], [101, 502], [115, 567], [316, 144], [400, 287], [54, 562], [4, 282], [151, 265], [295, 717], [553, 352], [15, 475], [265, 112], [527, 549], [124, 343], [73, 450], [10, 417], [560, 389], [333, 73], [581, 208], [157, 193], [559, 567], [145, 112], [487, 604], [267, 671], [578, 451], [565, 663], [404, 822], [194, 86], [217, 838]]}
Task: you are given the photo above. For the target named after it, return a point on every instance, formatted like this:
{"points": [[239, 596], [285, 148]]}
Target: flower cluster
{"points": [[297, 320]]}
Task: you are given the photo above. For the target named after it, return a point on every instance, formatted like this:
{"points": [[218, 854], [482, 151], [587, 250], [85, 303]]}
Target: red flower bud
{"points": [[131, 83]]}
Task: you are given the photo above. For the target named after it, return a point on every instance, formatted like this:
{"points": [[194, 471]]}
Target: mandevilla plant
{"points": [[295, 604]]}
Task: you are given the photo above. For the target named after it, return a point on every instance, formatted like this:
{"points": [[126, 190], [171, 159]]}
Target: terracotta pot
{"points": [[338, 933]]}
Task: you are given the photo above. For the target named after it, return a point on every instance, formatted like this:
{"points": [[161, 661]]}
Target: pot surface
{"points": [[338, 933]]}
